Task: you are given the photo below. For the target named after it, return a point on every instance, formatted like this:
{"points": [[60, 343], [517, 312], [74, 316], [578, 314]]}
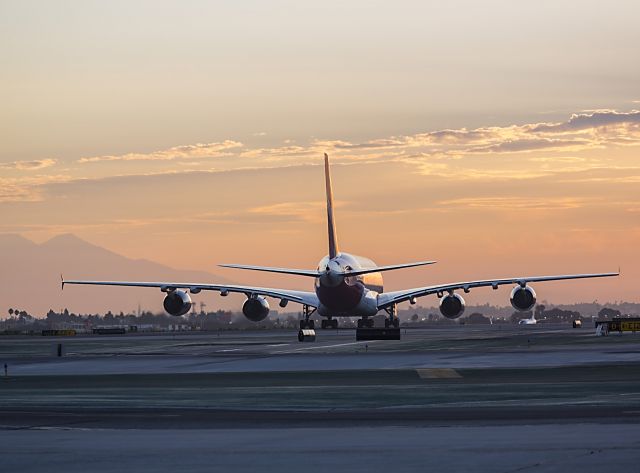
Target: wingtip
{"points": [[61, 282]]}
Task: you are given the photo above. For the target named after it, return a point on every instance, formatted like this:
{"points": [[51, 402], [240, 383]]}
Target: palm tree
{"points": [[10, 312]]}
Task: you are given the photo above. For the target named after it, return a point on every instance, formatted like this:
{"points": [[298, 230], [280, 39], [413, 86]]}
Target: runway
{"points": [[497, 398]]}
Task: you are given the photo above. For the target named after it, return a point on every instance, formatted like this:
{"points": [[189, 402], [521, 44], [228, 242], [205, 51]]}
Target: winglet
{"points": [[61, 282], [333, 237]]}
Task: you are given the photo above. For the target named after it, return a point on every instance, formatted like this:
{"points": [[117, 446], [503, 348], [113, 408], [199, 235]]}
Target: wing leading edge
{"points": [[301, 297], [387, 299]]}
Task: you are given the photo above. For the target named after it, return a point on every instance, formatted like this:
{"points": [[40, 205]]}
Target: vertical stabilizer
{"points": [[333, 238]]}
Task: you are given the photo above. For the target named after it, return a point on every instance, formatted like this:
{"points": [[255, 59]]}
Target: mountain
{"points": [[30, 278]]}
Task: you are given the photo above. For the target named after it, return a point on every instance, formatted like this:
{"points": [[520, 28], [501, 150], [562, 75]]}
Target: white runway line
{"points": [[228, 349], [317, 347]]}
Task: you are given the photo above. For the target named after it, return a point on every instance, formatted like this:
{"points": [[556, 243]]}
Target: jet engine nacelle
{"points": [[255, 308], [452, 306], [177, 303], [523, 298]]}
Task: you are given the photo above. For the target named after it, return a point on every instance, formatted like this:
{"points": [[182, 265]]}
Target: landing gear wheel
{"points": [[307, 335]]}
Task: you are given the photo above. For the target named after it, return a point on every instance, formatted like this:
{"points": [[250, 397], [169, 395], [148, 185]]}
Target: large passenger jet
{"points": [[345, 285]]}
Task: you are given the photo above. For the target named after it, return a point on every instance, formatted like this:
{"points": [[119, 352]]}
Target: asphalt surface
{"points": [[459, 398]]}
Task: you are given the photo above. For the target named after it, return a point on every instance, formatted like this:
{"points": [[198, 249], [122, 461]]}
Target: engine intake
{"points": [[177, 303], [255, 308], [523, 298], [452, 306]]}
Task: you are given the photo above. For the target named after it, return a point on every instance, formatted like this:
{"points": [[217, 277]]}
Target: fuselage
{"points": [[347, 296]]}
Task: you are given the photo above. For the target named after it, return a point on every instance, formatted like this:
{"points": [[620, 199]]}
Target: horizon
{"points": [[148, 300]]}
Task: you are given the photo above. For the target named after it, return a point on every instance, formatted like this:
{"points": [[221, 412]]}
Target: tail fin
{"points": [[333, 237]]}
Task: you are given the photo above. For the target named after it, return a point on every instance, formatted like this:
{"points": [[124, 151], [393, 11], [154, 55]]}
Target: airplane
{"points": [[345, 285]]}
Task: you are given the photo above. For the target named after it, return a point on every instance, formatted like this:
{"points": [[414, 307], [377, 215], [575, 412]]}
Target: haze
{"points": [[499, 138]]}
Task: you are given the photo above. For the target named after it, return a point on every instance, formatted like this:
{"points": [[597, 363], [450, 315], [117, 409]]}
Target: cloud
{"points": [[29, 165], [515, 203], [580, 131], [29, 188], [529, 145], [198, 150], [382, 143], [293, 211], [559, 159], [595, 119], [491, 153]]}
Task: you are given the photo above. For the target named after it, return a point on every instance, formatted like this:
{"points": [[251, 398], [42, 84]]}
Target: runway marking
{"points": [[317, 347], [433, 373], [228, 349]]}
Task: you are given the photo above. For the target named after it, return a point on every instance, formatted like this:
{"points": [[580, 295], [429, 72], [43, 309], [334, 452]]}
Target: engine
{"points": [[255, 308], [452, 306], [523, 298], [177, 303]]}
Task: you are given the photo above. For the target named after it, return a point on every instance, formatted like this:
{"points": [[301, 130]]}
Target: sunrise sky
{"points": [[500, 138]]}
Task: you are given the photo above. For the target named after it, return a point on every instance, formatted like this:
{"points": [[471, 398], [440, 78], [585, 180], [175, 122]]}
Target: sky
{"points": [[500, 138]]}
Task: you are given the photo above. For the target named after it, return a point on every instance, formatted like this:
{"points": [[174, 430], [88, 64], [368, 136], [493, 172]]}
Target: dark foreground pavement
{"points": [[476, 400], [582, 447]]}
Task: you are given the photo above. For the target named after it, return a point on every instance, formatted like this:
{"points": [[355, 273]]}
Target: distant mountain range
{"points": [[30, 278]]}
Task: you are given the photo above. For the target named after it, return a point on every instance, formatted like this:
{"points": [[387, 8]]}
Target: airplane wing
{"points": [[386, 299], [301, 297], [314, 273], [298, 272]]}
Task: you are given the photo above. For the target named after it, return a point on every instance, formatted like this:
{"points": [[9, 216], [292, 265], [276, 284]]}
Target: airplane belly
{"points": [[340, 299]]}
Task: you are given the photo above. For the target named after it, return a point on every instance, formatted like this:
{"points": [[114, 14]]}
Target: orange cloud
{"points": [[29, 165], [198, 150]]}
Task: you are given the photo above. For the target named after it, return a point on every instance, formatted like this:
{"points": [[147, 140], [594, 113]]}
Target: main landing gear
{"points": [[365, 322], [365, 330], [329, 323], [307, 331], [391, 330]]}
